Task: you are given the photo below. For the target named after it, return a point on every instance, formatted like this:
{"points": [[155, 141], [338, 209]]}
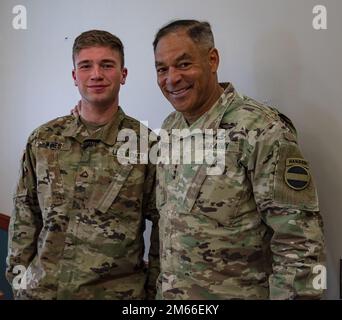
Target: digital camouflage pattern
{"points": [[247, 233], [79, 215]]}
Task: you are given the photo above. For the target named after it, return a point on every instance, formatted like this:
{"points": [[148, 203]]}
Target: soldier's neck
{"points": [[192, 116], [97, 114]]}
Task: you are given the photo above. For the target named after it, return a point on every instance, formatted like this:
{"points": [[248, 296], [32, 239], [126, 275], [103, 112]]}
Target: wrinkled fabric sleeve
{"points": [[151, 214], [297, 243], [26, 221]]}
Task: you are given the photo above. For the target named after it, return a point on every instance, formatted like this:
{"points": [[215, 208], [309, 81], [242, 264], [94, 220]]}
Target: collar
{"points": [[212, 118], [108, 134]]}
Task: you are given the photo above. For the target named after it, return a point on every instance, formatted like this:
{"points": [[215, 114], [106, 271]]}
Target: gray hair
{"points": [[199, 32]]}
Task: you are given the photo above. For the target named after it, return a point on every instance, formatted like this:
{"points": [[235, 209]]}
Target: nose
{"points": [[96, 73], [173, 76]]}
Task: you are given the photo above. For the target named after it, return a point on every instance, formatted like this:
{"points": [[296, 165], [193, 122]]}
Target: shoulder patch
{"points": [[297, 175], [293, 184]]}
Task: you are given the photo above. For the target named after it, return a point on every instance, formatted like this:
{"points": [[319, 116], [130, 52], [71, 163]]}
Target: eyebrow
{"points": [[184, 56], [102, 61], [83, 62], [108, 61]]}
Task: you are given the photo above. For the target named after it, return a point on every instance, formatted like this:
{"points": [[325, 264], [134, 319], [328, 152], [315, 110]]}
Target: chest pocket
{"points": [[49, 180], [218, 196], [115, 198], [113, 180]]}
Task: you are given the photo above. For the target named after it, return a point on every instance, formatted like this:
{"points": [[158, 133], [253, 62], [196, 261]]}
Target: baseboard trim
{"points": [[4, 221]]}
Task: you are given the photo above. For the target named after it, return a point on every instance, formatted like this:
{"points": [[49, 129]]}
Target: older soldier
{"points": [[253, 231], [79, 217]]}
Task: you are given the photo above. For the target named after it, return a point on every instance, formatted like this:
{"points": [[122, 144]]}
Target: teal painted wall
{"points": [[4, 286]]}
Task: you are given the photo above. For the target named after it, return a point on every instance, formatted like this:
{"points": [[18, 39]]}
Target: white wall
{"points": [[269, 50]]}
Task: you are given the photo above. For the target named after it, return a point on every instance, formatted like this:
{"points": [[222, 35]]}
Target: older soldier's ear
{"points": [[214, 59]]}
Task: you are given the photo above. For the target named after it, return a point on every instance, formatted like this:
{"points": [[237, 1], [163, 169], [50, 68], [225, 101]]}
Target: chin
{"points": [[181, 108]]}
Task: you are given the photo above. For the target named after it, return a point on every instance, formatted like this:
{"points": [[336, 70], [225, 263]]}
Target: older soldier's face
{"points": [[186, 73], [98, 75]]}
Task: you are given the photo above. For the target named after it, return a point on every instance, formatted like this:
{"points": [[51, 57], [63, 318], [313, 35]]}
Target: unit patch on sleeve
{"points": [[297, 174], [293, 185]]}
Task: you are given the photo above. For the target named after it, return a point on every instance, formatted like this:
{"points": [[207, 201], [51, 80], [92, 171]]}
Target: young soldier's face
{"points": [[186, 73], [98, 75]]}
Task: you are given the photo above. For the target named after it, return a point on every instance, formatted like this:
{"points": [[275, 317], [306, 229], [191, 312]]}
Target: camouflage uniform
{"points": [[253, 232], [79, 215]]}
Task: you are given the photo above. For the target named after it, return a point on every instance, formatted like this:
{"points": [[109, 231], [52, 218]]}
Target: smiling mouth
{"points": [[97, 87], [179, 92]]}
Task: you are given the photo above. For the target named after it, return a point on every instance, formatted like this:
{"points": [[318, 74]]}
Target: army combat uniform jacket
{"points": [[251, 232], [79, 217]]}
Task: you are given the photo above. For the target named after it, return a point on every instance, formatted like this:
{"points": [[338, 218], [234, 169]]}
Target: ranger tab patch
{"points": [[297, 175]]}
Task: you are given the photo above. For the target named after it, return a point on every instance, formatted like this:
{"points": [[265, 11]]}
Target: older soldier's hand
{"points": [[77, 109]]}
